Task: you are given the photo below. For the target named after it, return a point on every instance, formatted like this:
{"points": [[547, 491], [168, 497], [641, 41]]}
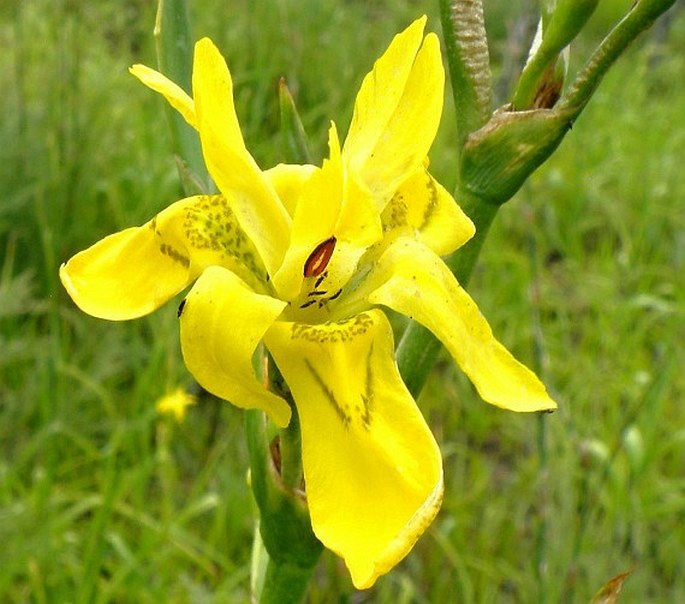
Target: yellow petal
{"points": [[316, 215], [253, 200], [372, 469], [132, 273], [411, 279], [288, 181], [222, 322], [422, 207], [174, 94], [396, 113], [359, 221]]}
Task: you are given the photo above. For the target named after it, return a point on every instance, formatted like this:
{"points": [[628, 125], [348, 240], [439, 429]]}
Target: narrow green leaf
{"points": [[295, 142], [175, 60], [284, 525]]}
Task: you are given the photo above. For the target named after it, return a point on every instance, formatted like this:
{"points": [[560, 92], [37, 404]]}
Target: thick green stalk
{"points": [[468, 59], [285, 584], [285, 527], [290, 437]]}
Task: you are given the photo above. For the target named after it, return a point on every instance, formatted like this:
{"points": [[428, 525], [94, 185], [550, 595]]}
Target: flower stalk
{"points": [[285, 528]]}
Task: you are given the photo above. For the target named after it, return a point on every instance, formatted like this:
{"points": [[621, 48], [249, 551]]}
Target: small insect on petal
{"points": [[318, 260]]}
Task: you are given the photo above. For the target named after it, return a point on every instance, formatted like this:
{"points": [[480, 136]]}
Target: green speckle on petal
{"points": [[210, 225]]}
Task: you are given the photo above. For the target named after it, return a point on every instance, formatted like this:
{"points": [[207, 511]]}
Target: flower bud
{"points": [[542, 77], [565, 23]]}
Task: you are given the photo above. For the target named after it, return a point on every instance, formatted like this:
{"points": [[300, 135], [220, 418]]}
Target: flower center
{"points": [[319, 287]]}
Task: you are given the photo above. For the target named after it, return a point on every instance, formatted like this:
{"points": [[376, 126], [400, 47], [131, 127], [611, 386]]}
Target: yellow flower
{"points": [[304, 259], [176, 403]]}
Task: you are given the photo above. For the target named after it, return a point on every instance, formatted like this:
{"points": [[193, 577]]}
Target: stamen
{"points": [[320, 280], [318, 260]]}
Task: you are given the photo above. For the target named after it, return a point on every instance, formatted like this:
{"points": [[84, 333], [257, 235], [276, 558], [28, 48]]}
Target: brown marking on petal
{"points": [[329, 395], [349, 411], [318, 260]]}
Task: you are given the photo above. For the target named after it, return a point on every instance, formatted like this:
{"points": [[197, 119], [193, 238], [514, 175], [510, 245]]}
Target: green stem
{"points": [[291, 453], [293, 549], [541, 549], [286, 538], [418, 348], [295, 143], [285, 583], [290, 438]]}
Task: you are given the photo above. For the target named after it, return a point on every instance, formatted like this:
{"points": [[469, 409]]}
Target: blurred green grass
{"points": [[101, 500]]}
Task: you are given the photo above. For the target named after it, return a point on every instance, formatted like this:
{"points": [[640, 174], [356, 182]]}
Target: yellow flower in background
{"points": [[305, 259], [176, 403]]}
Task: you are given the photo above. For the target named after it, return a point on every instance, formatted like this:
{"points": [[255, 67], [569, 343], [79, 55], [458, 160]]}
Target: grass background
{"points": [[102, 500]]}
